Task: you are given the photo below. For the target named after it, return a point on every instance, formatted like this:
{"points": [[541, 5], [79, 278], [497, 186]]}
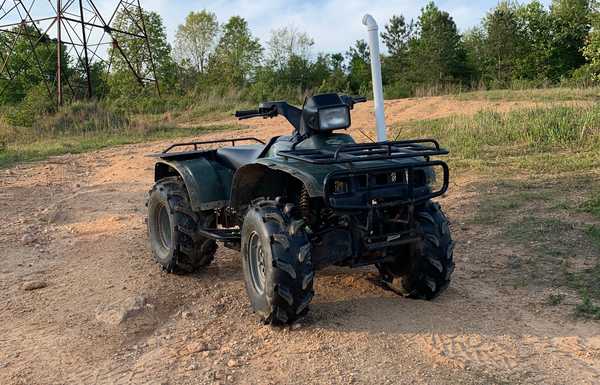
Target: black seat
{"points": [[238, 156]]}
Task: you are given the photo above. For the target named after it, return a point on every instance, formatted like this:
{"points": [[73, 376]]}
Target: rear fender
{"points": [[208, 183], [259, 180]]}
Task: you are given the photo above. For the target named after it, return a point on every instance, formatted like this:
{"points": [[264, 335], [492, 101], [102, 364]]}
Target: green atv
{"points": [[300, 203]]}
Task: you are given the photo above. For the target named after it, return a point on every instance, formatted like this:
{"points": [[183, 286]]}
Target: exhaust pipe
{"points": [[373, 29]]}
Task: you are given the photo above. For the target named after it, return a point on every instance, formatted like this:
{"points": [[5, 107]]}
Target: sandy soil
{"points": [[107, 315]]}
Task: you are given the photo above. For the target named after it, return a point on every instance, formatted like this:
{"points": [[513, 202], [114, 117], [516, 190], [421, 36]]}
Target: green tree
{"points": [[122, 81], [286, 43], [196, 39], [572, 23], [237, 55], [591, 51], [474, 42], [397, 35], [504, 45], [536, 32], [23, 69], [437, 53], [337, 80], [359, 68]]}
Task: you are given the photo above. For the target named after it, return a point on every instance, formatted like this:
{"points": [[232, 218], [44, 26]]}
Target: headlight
{"points": [[334, 118], [341, 187]]}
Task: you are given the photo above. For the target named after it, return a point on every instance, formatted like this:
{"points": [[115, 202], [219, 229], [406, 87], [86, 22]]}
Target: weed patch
{"points": [[592, 205], [587, 309]]}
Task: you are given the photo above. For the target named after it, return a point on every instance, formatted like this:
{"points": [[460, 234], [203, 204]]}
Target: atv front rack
{"points": [[366, 152]]}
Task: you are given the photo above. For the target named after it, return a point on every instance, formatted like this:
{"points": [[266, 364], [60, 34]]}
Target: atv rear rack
{"points": [[167, 152], [351, 153]]}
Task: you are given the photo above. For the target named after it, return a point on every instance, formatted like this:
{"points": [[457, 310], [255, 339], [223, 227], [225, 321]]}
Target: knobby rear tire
{"points": [[186, 252]]}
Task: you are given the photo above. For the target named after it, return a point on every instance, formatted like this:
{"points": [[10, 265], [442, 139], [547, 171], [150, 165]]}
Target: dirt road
{"points": [[103, 313]]}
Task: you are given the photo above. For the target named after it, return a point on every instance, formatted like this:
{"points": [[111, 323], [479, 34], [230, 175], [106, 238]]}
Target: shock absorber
{"points": [[304, 206]]}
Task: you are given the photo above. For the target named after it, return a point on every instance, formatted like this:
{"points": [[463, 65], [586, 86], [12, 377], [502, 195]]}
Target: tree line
{"points": [[529, 45]]}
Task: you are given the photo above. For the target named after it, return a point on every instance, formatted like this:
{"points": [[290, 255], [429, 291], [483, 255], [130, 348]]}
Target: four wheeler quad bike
{"points": [[303, 202]]}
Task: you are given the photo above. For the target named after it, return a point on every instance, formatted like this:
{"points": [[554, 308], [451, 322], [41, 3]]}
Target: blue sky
{"points": [[333, 24]]}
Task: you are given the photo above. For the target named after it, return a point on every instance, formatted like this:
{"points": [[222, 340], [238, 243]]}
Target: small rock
{"points": [[34, 285], [186, 315], [232, 363], [230, 378], [205, 354], [196, 347], [3, 365], [296, 326], [192, 367], [28, 239], [118, 313]]}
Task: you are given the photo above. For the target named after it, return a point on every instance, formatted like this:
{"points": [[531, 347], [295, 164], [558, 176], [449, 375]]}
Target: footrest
{"points": [[221, 235]]}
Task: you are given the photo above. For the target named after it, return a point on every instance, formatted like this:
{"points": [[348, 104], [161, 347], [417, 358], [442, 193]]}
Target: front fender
{"points": [[265, 178], [208, 183]]}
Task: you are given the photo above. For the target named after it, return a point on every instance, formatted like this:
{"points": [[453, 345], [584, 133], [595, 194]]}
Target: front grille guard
{"points": [[409, 197]]}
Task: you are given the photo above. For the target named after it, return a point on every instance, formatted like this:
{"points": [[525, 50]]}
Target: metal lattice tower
{"points": [[80, 33]]}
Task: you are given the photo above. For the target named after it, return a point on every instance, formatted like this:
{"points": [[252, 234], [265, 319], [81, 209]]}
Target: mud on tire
{"points": [[171, 229], [426, 271], [277, 263]]}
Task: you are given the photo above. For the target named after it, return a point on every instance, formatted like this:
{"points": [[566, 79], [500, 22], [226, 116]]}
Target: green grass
{"points": [[74, 143], [555, 299], [592, 205], [548, 139], [536, 95], [86, 126], [552, 244], [587, 309], [593, 232]]}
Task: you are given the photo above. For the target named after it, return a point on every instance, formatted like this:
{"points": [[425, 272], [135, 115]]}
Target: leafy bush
{"points": [[36, 104], [398, 90], [83, 118]]}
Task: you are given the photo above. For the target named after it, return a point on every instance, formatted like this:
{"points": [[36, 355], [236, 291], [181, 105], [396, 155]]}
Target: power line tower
{"points": [[77, 31]]}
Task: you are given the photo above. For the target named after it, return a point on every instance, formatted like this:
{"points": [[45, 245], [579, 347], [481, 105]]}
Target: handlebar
{"points": [[261, 112], [244, 113], [272, 109]]}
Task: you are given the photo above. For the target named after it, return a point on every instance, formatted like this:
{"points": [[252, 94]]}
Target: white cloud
{"points": [[333, 24]]}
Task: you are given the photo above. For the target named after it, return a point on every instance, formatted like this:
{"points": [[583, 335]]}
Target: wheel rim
{"points": [[164, 227], [256, 256]]}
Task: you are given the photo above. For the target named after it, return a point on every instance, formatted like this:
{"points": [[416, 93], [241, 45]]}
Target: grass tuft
{"points": [[592, 206], [555, 299], [587, 309]]}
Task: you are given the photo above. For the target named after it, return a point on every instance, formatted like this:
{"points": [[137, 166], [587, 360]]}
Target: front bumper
{"points": [[383, 187]]}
